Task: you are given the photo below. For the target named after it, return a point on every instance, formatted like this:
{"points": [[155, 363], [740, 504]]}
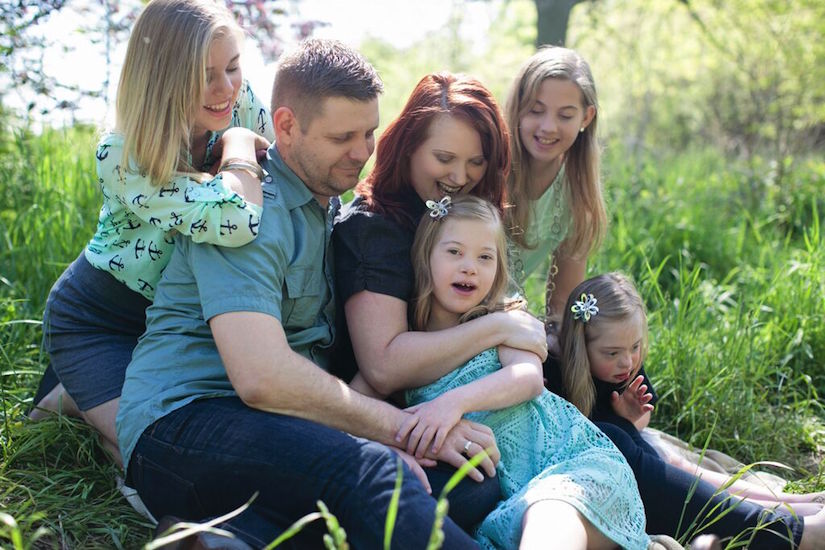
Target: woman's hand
{"points": [[523, 331], [429, 423]]}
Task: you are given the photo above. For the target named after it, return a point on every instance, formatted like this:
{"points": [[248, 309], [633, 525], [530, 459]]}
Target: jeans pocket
{"points": [[164, 491]]}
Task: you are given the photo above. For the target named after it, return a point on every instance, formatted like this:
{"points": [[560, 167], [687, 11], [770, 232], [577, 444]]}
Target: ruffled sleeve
{"points": [[208, 211], [372, 253]]}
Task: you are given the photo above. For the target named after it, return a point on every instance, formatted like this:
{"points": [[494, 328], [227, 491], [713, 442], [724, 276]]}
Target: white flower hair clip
{"points": [[439, 209], [585, 308]]}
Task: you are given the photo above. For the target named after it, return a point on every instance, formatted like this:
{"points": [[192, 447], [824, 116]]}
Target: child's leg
{"points": [[56, 401], [803, 504], [813, 537], [556, 524], [799, 508]]}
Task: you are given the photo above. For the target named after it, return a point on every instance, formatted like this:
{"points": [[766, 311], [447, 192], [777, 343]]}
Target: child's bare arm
{"points": [[360, 384]]}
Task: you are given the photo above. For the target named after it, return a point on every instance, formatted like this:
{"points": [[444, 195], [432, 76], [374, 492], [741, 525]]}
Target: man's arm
{"points": [[269, 376]]}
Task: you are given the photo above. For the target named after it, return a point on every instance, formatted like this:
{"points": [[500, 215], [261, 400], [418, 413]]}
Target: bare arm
{"points": [[242, 144], [392, 358], [269, 376], [519, 379]]}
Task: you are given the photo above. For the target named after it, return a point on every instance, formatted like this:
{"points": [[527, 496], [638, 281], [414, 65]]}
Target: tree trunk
{"points": [[553, 16]]}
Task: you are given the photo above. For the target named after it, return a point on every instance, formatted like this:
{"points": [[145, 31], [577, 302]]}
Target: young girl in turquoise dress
{"points": [[182, 159], [604, 342], [565, 485]]}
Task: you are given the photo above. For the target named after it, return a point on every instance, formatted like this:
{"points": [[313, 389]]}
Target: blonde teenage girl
{"points": [[182, 159], [557, 214], [565, 485], [604, 343]]}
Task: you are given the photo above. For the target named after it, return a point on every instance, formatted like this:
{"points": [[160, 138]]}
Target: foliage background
{"points": [[712, 121]]}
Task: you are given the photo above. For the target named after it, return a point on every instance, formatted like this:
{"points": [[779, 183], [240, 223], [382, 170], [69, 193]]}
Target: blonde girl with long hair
{"points": [[604, 341], [181, 159], [564, 484], [556, 214]]}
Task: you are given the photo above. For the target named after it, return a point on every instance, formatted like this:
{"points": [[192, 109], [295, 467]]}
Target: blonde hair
{"points": [[581, 162], [463, 207], [163, 80], [617, 300]]}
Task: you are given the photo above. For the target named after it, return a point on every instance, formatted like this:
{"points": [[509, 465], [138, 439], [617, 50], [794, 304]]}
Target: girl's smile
{"points": [[553, 122], [223, 83]]}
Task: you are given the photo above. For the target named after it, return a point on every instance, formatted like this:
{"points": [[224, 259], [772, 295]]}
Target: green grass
{"points": [[729, 260]]}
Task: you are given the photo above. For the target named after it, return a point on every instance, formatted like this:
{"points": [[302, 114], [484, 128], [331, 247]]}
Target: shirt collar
{"points": [[290, 186]]}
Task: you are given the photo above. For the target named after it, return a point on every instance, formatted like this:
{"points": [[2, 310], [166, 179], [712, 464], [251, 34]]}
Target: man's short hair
{"points": [[319, 69]]}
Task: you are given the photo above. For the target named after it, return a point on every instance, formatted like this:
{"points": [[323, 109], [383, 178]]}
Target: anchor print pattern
{"points": [[138, 219]]}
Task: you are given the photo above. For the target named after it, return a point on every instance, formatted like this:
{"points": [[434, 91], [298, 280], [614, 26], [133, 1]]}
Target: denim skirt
{"points": [[91, 324]]}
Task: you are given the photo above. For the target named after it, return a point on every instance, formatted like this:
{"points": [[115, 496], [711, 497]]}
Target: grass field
{"points": [[730, 260]]}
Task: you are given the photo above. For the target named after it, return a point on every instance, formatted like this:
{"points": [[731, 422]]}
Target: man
{"points": [[227, 393]]}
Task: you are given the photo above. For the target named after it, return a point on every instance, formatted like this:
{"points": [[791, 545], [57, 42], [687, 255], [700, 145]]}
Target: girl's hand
{"points": [[239, 137], [240, 143], [523, 331], [428, 424], [634, 402], [481, 438]]}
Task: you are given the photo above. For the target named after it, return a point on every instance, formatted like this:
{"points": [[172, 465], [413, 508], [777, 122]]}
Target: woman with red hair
{"points": [[449, 139]]}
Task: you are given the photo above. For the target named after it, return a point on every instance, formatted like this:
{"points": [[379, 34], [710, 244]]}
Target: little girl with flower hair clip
{"points": [[604, 343], [565, 484]]}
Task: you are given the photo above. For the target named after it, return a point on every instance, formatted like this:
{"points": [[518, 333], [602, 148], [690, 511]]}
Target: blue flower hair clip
{"points": [[439, 209], [585, 308]]}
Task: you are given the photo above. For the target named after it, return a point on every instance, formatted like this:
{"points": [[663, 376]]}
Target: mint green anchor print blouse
{"points": [[137, 221]]}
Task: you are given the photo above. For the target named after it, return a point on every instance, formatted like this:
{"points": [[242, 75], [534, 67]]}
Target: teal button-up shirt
{"points": [[286, 272]]}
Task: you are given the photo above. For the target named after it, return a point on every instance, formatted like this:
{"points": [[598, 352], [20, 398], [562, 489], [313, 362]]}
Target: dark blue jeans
{"points": [[209, 457], [677, 502]]}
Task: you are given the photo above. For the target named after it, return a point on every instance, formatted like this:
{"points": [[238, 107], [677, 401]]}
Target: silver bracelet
{"points": [[242, 164]]}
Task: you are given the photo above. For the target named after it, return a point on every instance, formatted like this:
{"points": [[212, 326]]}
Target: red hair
{"points": [[388, 190]]}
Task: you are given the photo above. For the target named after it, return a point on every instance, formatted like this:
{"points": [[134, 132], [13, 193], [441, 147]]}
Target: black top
{"points": [[602, 409], [372, 253]]}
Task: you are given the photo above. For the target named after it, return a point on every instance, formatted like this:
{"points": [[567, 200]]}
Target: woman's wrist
{"points": [[242, 164], [239, 144]]}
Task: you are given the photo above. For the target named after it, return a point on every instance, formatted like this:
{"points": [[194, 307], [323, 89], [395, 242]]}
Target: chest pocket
{"points": [[303, 297]]}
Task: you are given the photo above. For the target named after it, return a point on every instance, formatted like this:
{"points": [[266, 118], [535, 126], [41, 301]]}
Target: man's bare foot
{"points": [[56, 401]]}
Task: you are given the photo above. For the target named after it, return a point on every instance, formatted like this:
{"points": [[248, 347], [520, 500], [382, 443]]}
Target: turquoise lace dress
{"points": [[549, 451]]}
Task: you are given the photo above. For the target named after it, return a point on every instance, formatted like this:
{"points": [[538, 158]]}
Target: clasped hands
{"points": [[434, 431]]}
